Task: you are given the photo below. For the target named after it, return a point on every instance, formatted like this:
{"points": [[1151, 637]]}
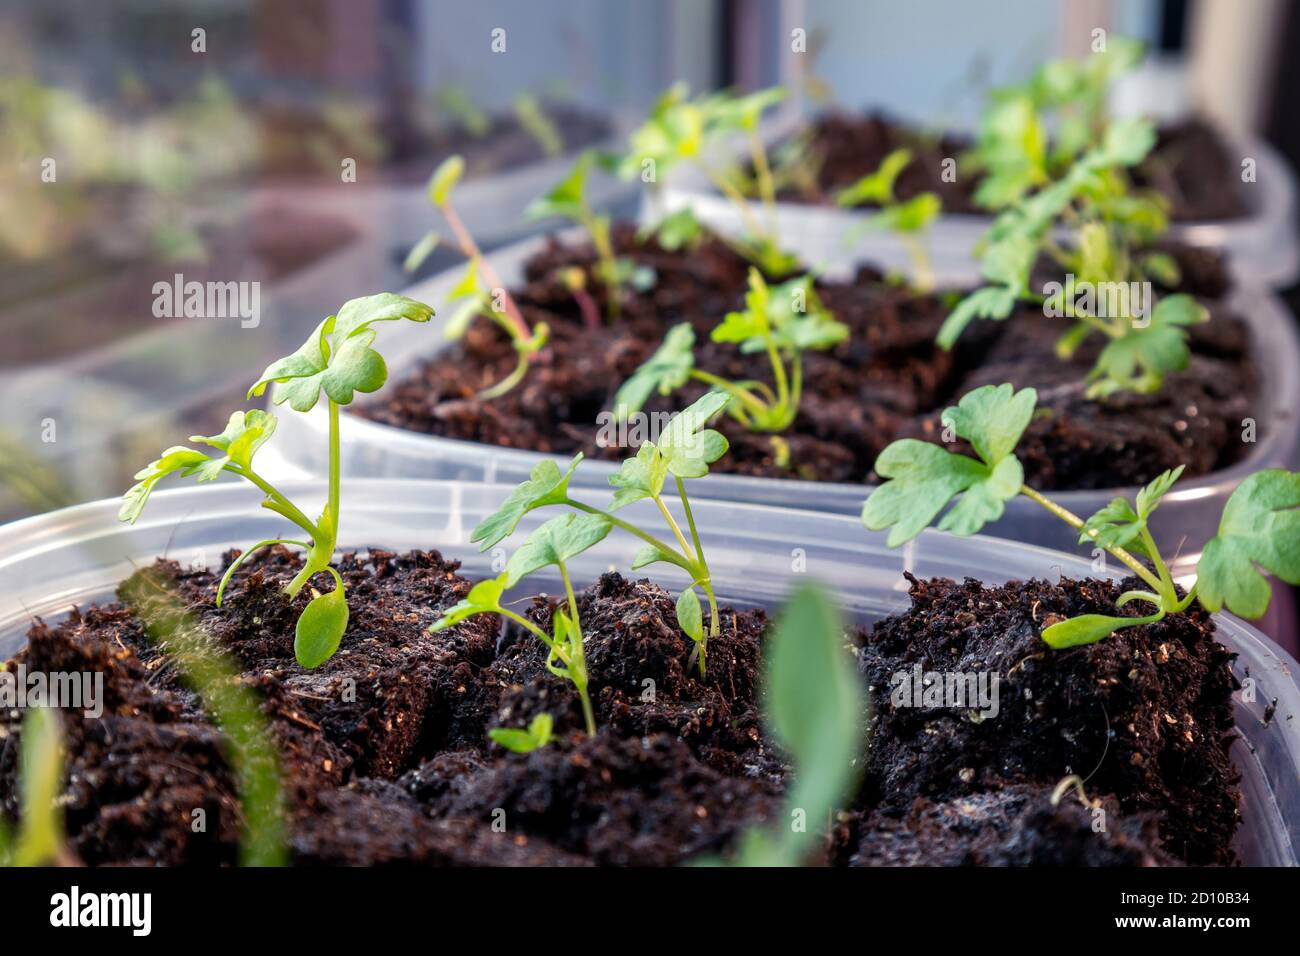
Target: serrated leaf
{"points": [[992, 418], [668, 369], [178, 458], [244, 434], [546, 485], [555, 542], [921, 481], [483, 598], [320, 628], [1143, 357], [688, 448], [994, 302], [1116, 525], [1148, 497], [690, 618], [337, 356], [639, 477], [1259, 529]]}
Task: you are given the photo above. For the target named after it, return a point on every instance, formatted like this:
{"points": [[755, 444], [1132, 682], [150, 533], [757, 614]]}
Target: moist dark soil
{"points": [[385, 757], [1191, 166], [1144, 715], [888, 380]]}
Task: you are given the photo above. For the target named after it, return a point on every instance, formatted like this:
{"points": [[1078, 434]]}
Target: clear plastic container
{"points": [[77, 556], [1263, 247], [1189, 515], [491, 205]]}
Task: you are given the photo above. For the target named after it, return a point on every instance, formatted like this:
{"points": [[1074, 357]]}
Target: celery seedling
{"points": [[555, 542], [1110, 229], [481, 290], [568, 200], [1067, 97], [680, 130], [685, 450], [337, 359], [910, 219], [1259, 528], [783, 322], [536, 736]]}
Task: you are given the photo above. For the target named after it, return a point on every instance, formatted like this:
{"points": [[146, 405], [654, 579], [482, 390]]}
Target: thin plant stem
{"points": [[1075, 521]]}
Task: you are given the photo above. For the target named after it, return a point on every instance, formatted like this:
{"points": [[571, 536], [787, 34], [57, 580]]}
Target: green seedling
{"points": [[480, 292], [554, 543], [568, 200], [910, 220], [1259, 528], [676, 231], [455, 99], [1064, 98], [535, 737], [783, 323], [685, 450], [338, 361], [682, 131], [1146, 340], [816, 710], [39, 840], [538, 125]]}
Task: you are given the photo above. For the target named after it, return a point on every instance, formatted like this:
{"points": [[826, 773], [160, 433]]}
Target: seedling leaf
{"points": [[547, 485], [1260, 528], [554, 542], [483, 597], [536, 736], [668, 369], [689, 616]]}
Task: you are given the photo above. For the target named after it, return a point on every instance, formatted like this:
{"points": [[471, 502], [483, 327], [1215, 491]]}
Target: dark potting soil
{"points": [[889, 380], [1191, 166], [1144, 715], [385, 756]]}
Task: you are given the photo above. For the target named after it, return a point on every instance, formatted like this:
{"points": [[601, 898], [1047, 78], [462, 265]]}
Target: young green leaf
{"points": [[876, 188], [483, 598], [421, 251], [817, 711], [1090, 628], [677, 230], [668, 369], [536, 736], [688, 448], [444, 178], [690, 618], [1260, 528], [922, 479], [565, 198], [554, 542], [244, 434], [547, 485], [178, 458], [337, 356], [320, 628], [1140, 359]]}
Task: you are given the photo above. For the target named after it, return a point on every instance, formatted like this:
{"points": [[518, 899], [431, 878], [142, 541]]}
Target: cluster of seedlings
{"points": [[1067, 199]]}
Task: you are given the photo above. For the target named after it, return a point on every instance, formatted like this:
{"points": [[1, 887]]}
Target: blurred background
{"points": [[286, 142]]}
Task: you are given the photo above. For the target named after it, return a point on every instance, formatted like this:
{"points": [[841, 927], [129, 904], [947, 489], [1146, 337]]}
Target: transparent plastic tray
{"points": [[491, 205], [78, 556], [1263, 246], [1188, 515]]}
